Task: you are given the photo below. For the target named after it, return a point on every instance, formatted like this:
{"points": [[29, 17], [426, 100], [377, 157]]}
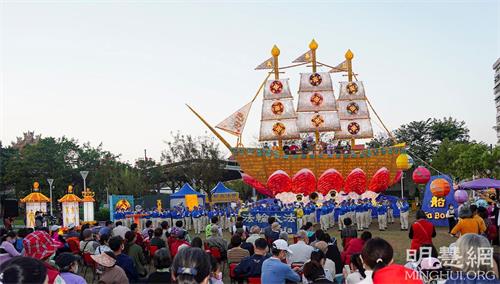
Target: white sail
{"points": [[316, 101], [355, 128], [277, 89], [356, 91], [271, 130], [354, 109], [310, 82], [235, 123], [321, 121], [278, 109]]}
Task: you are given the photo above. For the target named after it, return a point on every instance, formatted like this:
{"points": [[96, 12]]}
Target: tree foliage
{"points": [[195, 159]]}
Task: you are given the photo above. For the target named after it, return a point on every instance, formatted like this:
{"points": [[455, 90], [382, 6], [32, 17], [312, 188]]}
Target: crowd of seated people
{"points": [[164, 255]]}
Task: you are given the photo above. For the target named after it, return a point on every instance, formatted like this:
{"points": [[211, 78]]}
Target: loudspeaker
{"points": [[10, 208]]}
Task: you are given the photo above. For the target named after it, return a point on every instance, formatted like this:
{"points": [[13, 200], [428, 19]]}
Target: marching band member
{"points": [[323, 216], [390, 215], [403, 213], [187, 218], [359, 215], [197, 217], [382, 216]]}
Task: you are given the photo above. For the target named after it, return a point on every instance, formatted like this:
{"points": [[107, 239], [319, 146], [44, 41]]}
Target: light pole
{"points": [[84, 176], [51, 181]]}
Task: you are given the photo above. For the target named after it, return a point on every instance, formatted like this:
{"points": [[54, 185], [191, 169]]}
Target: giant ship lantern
{"points": [[319, 168]]}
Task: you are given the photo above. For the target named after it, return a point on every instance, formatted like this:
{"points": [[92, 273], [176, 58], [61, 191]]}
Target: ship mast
{"points": [[313, 45], [275, 52], [348, 57]]}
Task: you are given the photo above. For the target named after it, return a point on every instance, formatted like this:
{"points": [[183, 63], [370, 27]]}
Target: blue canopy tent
{"points": [[180, 196], [222, 194]]}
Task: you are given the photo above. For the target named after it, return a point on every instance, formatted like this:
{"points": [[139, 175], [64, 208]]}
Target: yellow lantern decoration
{"points": [[404, 162]]}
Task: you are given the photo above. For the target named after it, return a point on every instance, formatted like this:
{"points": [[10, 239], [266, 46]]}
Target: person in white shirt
{"points": [[120, 230], [355, 272], [301, 250], [255, 234]]}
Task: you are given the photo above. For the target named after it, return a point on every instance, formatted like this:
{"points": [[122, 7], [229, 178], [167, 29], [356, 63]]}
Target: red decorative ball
{"points": [[421, 175]]}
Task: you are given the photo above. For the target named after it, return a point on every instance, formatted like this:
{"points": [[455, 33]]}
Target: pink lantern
{"points": [[461, 196], [421, 175]]}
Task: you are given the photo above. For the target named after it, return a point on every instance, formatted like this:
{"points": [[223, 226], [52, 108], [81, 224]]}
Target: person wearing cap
{"points": [[72, 233], [107, 229], [176, 240], [466, 223], [110, 272], [41, 246], [68, 266], [274, 270]]}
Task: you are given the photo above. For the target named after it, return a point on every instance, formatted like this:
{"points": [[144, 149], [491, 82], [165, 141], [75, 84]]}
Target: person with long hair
{"points": [[21, 270], [356, 271], [313, 269], [191, 266]]}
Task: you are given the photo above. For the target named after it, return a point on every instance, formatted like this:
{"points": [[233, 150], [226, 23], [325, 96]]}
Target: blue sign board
{"points": [[120, 203], [287, 219], [435, 207]]}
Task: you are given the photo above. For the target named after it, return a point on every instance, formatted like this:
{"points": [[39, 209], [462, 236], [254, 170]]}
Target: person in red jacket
{"points": [[421, 232], [355, 246], [176, 240]]}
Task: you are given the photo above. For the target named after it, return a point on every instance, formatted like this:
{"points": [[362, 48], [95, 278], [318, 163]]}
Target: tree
{"points": [[380, 141], [470, 163], [151, 174], [418, 137], [449, 128], [196, 159]]}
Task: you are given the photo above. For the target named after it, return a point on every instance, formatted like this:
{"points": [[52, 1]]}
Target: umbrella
{"points": [[482, 183]]}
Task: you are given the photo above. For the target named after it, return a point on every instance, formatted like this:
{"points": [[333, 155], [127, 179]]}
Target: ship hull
{"points": [[261, 163]]}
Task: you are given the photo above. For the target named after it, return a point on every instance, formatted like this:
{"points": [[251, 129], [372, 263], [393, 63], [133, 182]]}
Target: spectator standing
{"points": [[421, 231], [274, 270], [68, 267], [301, 251], [348, 232], [103, 244], [162, 261], [450, 215], [215, 240], [466, 224], [147, 227], [135, 252], [110, 272], [268, 229], [120, 230], [88, 245], [123, 260], [107, 229]]}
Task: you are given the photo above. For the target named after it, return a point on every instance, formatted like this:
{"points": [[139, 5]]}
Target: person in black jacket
{"points": [[251, 266], [333, 252]]}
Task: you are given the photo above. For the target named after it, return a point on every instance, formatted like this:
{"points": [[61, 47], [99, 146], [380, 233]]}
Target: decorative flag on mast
{"points": [[306, 57], [342, 67], [235, 123], [268, 64]]}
